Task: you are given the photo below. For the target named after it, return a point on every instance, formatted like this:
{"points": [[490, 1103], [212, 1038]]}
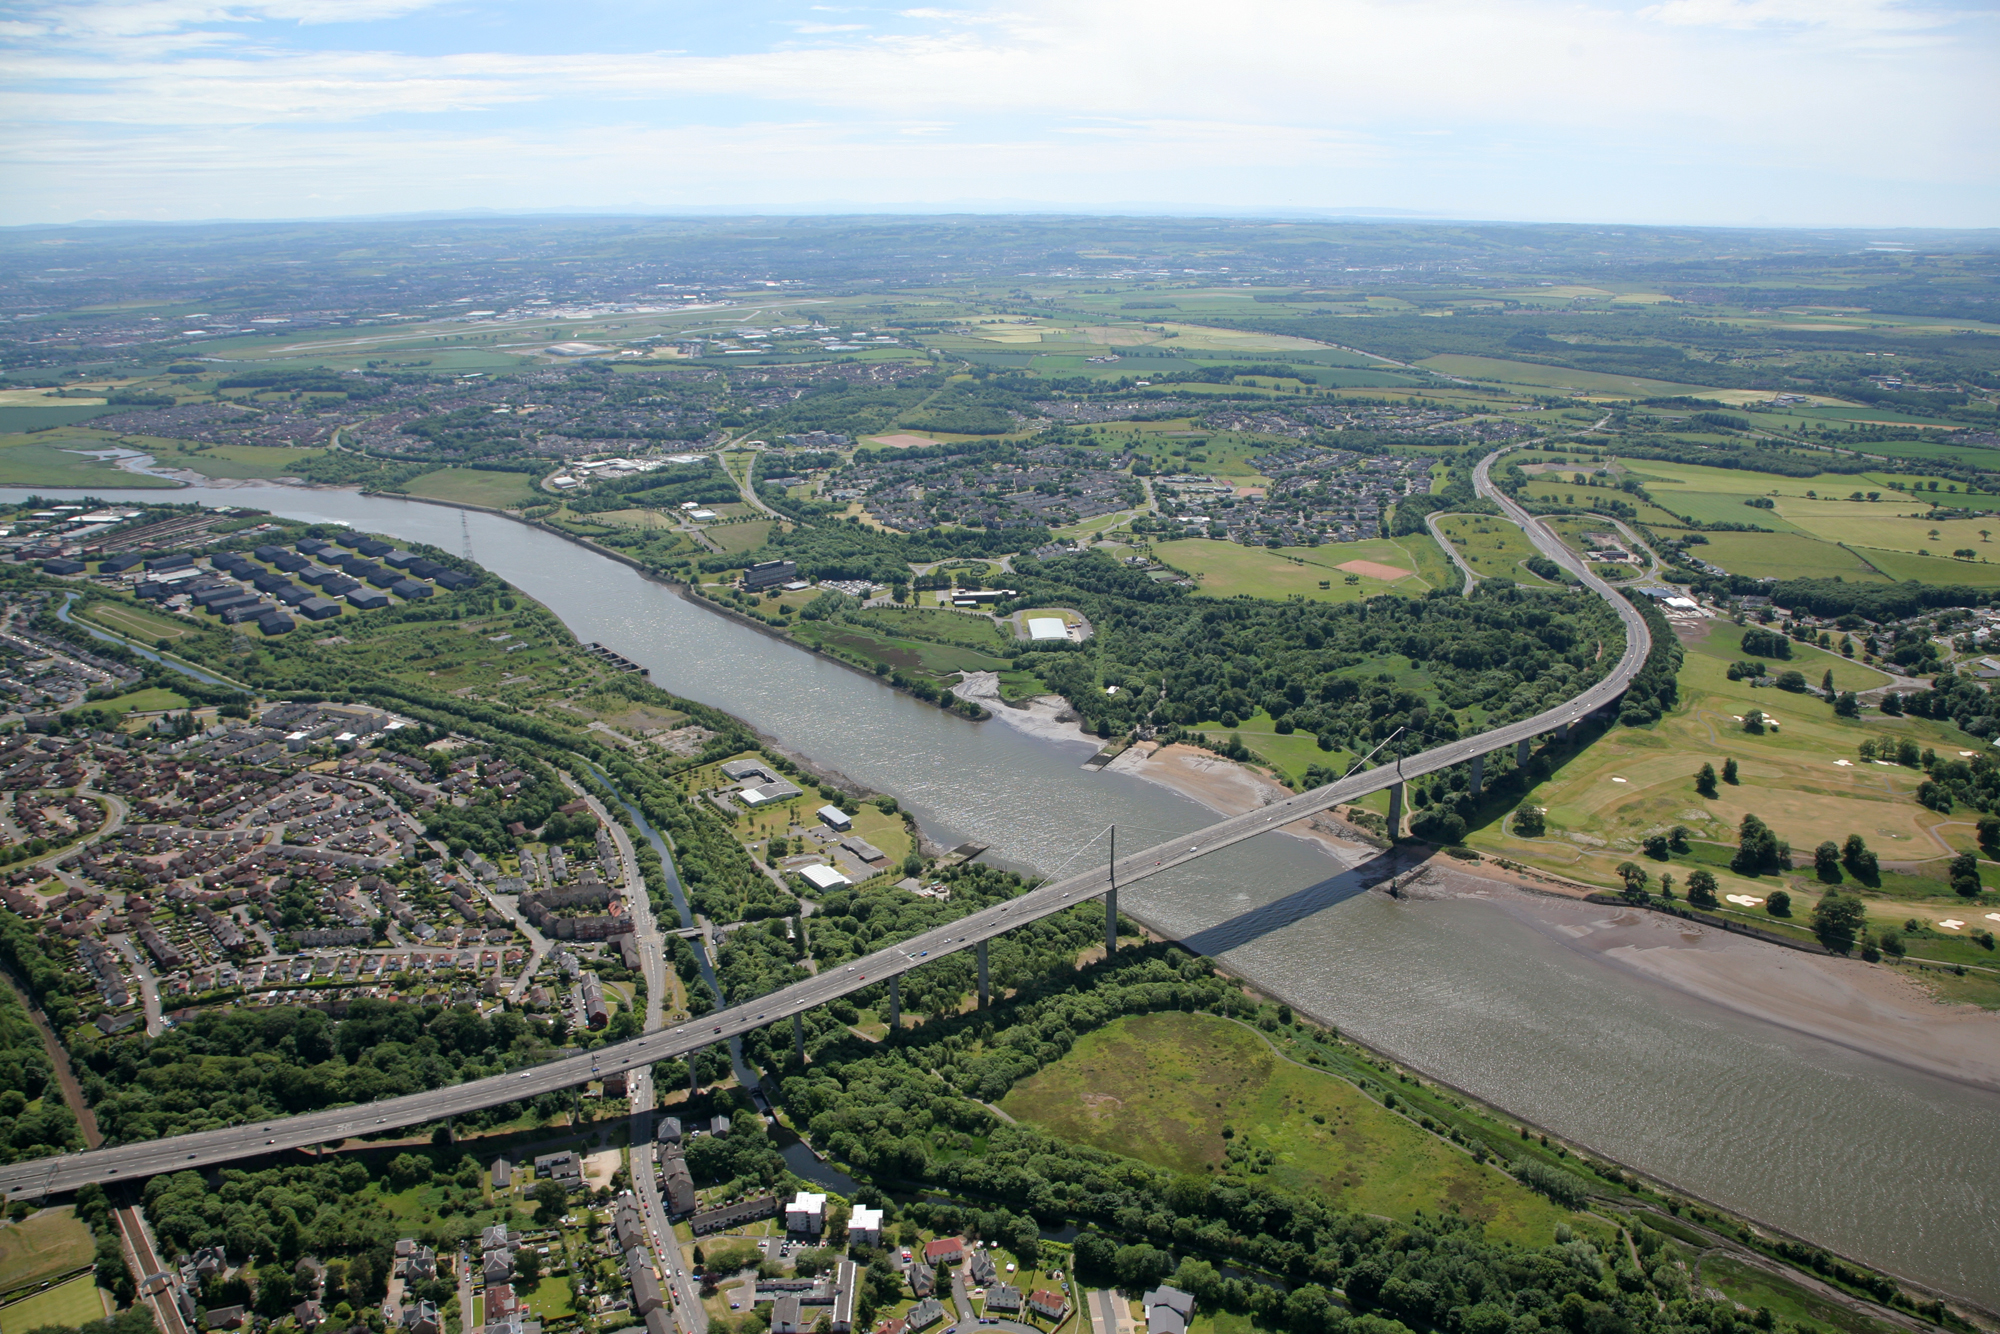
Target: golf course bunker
{"points": [[1369, 569]]}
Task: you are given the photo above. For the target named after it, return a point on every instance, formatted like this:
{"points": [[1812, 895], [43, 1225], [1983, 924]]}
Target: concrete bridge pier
{"points": [[1521, 753], [799, 1037], [985, 988], [1478, 774], [694, 1080], [895, 1002], [1395, 812], [1566, 733], [1111, 922]]}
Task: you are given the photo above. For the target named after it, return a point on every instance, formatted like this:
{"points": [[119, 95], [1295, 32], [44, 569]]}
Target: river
{"points": [[1882, 1162]]}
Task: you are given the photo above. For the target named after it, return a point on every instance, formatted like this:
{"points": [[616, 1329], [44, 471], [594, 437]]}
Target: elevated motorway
{"points": [[208, 1148]]}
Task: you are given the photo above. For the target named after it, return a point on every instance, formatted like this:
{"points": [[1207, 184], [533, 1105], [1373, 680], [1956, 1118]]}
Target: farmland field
{"points": [[1494, 546], [1786, 556], [1901, 565], [1146, 1087], [739, 537]]}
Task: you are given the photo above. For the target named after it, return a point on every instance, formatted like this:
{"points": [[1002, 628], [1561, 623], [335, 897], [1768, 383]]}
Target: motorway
{"points": [[47, 1176]]}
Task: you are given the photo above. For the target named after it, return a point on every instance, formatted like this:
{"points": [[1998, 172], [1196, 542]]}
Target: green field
{"points": [[1225, 569], [242, 462], [1495, 547], [1153, 1087], [473, 486], [1494, 370], [739, 537], [145, 626], [42, 460], [42, 1246], [897, 651], [1291, 753], [142, 701], [1788, 556], [73, 1303]]}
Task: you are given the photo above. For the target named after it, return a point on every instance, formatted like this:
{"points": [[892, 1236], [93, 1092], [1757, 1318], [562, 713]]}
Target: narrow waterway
{"points": [[1865, 1156]]}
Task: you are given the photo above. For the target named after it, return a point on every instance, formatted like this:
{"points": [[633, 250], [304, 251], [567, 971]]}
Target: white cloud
{"points": [[1029, 95]]}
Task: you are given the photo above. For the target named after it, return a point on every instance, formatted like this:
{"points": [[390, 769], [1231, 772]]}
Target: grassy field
{"points": [[41, 1246], [1788, 556], [738, 537], [1291, 754], [73, 1303], [240, 462], [147, 626], [1495, 547], [1495, 370], [45, 460], [1147, 1087], [143, 701], [1862, 524], [472, 486], [1225, 569], [1555, 493], [1794, 1305], [1804, 780]]}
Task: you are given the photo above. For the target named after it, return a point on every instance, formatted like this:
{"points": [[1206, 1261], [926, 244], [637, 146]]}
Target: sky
{"points": [[1865, 113]]}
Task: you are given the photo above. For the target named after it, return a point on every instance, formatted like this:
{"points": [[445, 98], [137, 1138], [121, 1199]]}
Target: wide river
{"points": [[1884, 1163]]}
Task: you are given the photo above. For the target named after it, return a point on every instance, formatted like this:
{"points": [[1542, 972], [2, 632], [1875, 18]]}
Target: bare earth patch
{"points": [[1369, 569], [902, 441]]}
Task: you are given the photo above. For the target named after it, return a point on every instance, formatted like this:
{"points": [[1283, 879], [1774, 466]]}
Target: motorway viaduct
{"points": [[132, 1162]]}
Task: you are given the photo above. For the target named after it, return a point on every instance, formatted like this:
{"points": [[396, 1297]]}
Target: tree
{"points": [[527, 1268], [1838, 919], [1704, 782], [1965, 875], [1989, 831], [1753, 722], [1729, 772], [1758, 850], [1779, 904], [551, 1200], [1677, 839], [1701, 888], [1846, 705], [1826, 862], [1635, 878], [1667, 885], [1859, 859], [1826, 684], [1655, 846], [1530, 822]]}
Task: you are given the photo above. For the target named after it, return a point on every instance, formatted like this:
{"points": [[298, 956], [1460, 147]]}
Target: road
{"points": [[210, 1147], [1450, 549]]}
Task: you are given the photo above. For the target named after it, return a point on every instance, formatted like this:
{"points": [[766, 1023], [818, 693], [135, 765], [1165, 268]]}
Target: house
{"points": [[630, 1227], [806, 1214], [503, 1174], [835, 819], [308, 1314], [646, 1294], [864, 1226], [787, 1317], [982, 1269], [945, 1251], [923, 1315], [497, 1267], [224, 1317], [1168, 1310], [500, 1301], [1048, 1304], [421, 1318], [1003, 1299], [616, 1084], [669, 1130], [657, 1322], [923, 1279], [677, 1185], [564, 1168], [846, 1289]]}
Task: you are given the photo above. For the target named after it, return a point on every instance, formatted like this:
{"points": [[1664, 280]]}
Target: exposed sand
{"points": [[1370, 569], [1048, 716], [1867, 1007]]}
